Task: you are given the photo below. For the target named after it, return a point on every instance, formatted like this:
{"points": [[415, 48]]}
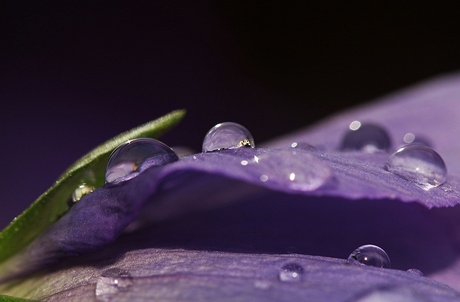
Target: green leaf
{"points": [[90, 169], [12, 299]]}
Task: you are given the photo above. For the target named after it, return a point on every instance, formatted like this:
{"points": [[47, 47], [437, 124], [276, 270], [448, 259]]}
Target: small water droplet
{"points": [[227, 136], [80, 191], [303, 146], [415, 271], [418, 164], [111, 282], [371, 255], [291, 272], [410, 138], [365, 137], [134, 156], [263, 178]]}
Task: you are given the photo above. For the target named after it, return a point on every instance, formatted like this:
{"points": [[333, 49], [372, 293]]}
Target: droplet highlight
{"points": [[418, 164], [291, 272], [134, 156], [365, 137], [111, 282], [227, 135], [370, 255]]}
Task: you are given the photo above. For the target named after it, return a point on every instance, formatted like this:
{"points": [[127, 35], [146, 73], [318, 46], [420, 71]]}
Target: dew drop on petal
{"points": [[370, 255], [80, 191], [304, 146], [365, 137], [134, 156], [410, 138], [418, 164], [111, 282], [415, 271], [291, 272], [227, 136]]}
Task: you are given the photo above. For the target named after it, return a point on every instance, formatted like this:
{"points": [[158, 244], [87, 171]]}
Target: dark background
{"points": [[75, 73]]}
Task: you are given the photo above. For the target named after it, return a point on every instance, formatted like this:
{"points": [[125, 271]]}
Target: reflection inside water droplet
{"points": [[79, 192], [418, 164], [365, 137], [111, 282], [371, 255], [291, 272], [227, 136], [134, 156]]}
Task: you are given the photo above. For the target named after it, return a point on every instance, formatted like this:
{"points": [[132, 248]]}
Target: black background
{"points": [[75, 73]]}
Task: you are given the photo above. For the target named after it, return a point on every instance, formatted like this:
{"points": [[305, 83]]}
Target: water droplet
{"points": [[134, 156], [365, 137], [371, 255], [227, 136], [418, 164], [111, 282], [80, 191], [415, 271], [303, 146], [303, 171], [291, 272], [410, 138]]}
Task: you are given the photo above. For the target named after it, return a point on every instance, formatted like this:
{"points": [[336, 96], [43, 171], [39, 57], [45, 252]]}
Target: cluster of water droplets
{"points": [[416, 161]]}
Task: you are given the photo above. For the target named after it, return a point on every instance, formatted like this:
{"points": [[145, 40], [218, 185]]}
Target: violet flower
{"points": [[272, 223]]}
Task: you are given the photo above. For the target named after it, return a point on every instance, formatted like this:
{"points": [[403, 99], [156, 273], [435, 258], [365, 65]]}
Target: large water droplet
{"points": [[291, 272], [365, 137], [227, 136], [371, 255], [111, 282], [289, 169], [134, 156], [80, 191], [418, 164]]}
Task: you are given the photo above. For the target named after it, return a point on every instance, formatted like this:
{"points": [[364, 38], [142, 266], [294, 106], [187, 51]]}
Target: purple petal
{"points": [[325, 202], [187, 275]]}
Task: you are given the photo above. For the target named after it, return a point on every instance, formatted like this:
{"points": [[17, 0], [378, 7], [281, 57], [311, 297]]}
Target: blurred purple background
{"points": [[75, 73]]}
